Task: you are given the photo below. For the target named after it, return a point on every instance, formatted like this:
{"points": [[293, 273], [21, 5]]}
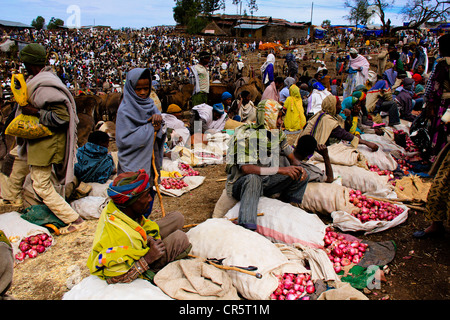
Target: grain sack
{"points": [[341, 154], [193, 279], [282, 222], [378, 158], [220, 238], [90, 208], [325, 198], [94, 288], [12, 224], [358, 178]]}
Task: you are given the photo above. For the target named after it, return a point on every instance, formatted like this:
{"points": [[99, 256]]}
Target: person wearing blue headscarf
{"points": [[138, 121]]}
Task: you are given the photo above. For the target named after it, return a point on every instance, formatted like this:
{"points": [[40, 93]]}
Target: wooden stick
{"points": [[399, 201], [156, 178], [219, 266]]}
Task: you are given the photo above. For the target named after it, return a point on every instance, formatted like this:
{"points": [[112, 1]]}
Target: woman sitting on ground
{"points": [[327, 127]]}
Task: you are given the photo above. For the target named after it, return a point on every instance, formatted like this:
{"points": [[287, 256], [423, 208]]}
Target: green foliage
{"points": [[55, 23], [38, 23]]}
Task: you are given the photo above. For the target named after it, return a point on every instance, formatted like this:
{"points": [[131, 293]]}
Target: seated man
{"points": [[94, 163], [126, 244], [177, 132], [254, 164], [206, 118]]}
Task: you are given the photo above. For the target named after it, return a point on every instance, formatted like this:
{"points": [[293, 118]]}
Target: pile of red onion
{"points": [[31, 246], [293, 287], [187, 170], [375, 168], [342, 252], [410, 146], [372, 210], [171, 183]]}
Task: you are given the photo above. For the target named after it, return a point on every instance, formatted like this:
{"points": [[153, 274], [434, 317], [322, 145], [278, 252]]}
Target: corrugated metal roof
{"points": [[250, 26], [14, 24]]}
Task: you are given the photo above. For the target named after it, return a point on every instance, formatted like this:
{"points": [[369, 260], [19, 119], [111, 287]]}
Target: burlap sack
{"points": [[325, 198], [412, 188], [195, 280], [342, 154]]}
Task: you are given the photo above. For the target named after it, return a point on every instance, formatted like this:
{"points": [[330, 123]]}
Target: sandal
{"points": [[76, 227]]}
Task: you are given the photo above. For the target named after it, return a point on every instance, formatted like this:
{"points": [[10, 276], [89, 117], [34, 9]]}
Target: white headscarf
{"points": [[270, 60]]}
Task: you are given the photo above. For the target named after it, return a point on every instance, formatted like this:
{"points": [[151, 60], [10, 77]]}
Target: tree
{"points": [[38, 23], [422, 11], [379, 7], [419, 12], [55, 23], [252, 6], [358, 11], [326, 23]]}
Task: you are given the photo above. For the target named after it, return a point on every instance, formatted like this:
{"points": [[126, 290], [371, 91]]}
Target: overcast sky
{"points": [[148, 13]]}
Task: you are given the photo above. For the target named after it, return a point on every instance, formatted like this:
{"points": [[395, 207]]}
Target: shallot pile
{"points": [[187, 170], [410, 146], [172, 183], [373, 210], [375, 168], [342, 252], [32, 246], [293, 287]]}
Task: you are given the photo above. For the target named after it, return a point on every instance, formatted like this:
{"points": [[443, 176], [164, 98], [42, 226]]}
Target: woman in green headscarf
{"points": [[261, 162], [328, 128]]}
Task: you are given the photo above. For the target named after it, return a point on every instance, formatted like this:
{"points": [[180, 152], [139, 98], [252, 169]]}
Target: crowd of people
{"points": [[92, 60], [127, 243]]}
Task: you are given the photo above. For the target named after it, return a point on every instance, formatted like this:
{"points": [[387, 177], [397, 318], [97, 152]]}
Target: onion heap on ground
{"points": [[172, 183], [187, 170], [373, 210], [342, 252], [31, 247], [293, 287]]}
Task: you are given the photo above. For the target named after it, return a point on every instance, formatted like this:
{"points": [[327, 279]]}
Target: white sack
{"points": [[94, 288]]}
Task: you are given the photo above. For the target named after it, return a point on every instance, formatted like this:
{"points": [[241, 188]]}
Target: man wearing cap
{"points": [[126, 244], [199, 77], [177, 132], [206, 118], [54, 155]]}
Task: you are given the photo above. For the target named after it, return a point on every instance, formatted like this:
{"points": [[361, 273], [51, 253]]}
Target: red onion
{"points": [[33, 240], [292, 286], [40, 248], [310, 289], [24, 247], [32, 253], [43, 236], [21, 256]]}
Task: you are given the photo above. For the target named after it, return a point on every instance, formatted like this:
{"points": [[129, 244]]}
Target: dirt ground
{"points": [[419, 271]]}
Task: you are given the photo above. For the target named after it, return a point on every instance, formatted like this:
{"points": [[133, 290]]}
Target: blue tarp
{"points": [[374, 33], [319, 34]]}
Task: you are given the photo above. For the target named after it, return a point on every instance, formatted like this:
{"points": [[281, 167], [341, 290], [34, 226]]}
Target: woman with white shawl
{"points": [[358, 72], [267, 70]]}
